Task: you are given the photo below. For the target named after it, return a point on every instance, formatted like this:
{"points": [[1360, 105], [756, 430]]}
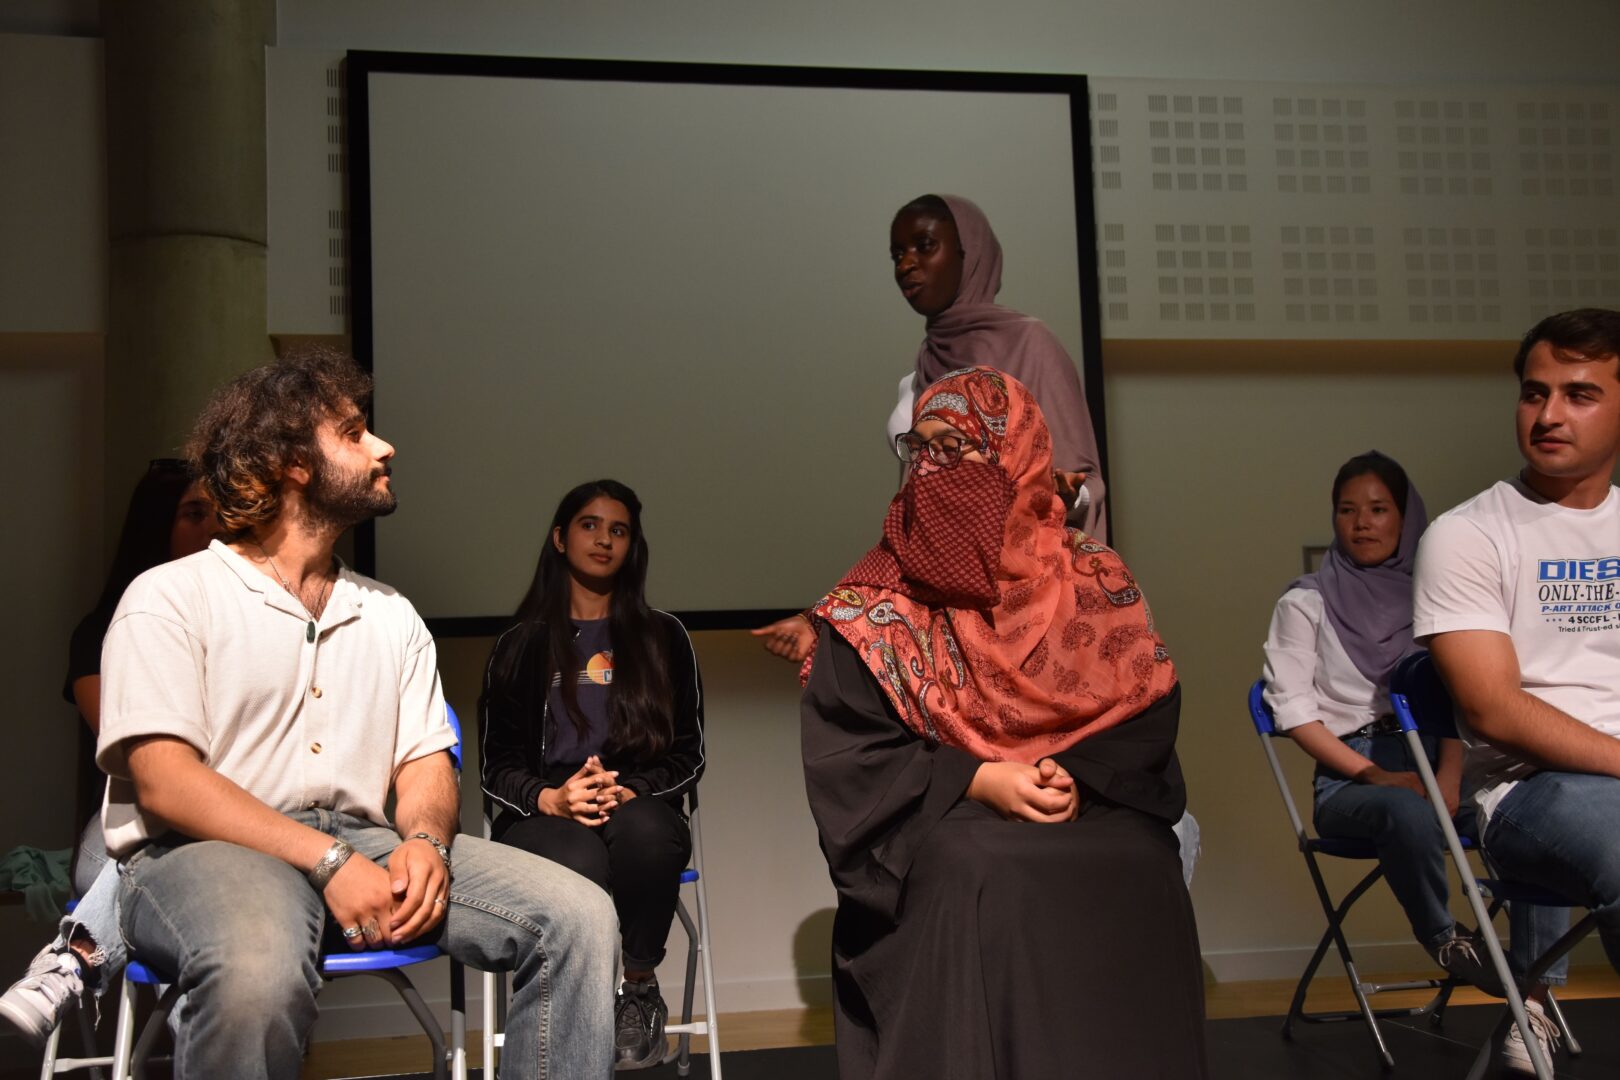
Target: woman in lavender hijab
{"points": [[1335, 637]]}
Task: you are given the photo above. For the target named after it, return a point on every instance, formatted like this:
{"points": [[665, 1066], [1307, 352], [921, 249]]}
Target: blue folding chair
{"points": [[1424, 707], [1310, 846], [129, 1058]]}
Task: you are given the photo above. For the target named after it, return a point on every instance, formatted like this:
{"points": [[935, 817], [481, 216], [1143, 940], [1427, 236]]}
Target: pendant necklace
{"points": [[320, 602]]}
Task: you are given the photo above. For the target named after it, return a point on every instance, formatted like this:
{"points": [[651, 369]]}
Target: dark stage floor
{"points": [[1252, 1049]]}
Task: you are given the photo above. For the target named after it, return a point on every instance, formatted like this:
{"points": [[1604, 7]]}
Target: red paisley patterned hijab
{"points": [[990, 626]]}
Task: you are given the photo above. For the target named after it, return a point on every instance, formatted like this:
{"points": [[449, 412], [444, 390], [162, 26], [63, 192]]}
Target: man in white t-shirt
{"points": [[261, 701], [1517, 592]]}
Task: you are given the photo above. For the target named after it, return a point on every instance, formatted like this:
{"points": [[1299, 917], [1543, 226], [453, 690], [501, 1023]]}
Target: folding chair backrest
{"points": [[455, 725], [1420, 699], [1259, 711], [1265, 725]]}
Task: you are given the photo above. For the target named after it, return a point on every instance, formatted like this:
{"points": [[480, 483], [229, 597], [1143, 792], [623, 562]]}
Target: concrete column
{"points": [[185, 216]]}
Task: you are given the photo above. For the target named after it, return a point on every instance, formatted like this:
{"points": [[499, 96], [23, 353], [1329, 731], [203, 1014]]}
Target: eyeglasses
{"points": [[942, 450]]}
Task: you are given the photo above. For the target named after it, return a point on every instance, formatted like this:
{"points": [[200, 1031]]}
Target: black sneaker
{"points": [[638, 1026], [1464, 958]]}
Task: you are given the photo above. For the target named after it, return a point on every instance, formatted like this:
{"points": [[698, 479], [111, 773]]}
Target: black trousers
{"points": [[637, 856]]}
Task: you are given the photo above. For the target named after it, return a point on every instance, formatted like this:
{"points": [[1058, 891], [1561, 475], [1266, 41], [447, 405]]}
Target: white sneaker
{"points": [[1515, 1055], [36, 1001]]}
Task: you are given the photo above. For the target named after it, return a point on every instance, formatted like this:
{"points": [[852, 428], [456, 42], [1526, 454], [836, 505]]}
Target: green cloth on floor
{"points": [[42, 878]]}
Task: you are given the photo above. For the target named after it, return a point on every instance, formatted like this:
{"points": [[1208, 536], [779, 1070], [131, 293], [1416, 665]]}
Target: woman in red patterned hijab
{"points": [[991, 626], [989, 725]]}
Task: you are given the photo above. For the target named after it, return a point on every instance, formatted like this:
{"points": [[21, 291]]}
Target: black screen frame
{"points": [[360, 65]]}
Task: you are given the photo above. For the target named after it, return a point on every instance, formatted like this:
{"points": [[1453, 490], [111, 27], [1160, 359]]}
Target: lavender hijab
{"points": [[1370, 607], [975, 330]]}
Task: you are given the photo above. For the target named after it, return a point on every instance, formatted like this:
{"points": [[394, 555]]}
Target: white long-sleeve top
{"points": [[1308, 674]]}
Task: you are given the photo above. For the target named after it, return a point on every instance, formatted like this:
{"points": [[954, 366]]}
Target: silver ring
{"points": [[438, 901], [372, 929], [352, 932]]}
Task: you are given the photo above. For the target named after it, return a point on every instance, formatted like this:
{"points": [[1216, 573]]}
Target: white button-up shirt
{"points": [[209, 650], [1308, 674]]}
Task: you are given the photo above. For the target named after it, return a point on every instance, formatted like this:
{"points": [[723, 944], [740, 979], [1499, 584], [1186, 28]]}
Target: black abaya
{"points": [[968, 946]]}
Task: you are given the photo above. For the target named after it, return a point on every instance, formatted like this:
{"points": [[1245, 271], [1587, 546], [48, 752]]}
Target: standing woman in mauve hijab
{"points": [[1335, 637], [989, 723], [947, 262]]}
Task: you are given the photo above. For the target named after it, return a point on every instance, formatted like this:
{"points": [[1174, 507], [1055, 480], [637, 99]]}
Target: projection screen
{"points": [[676, 276]]}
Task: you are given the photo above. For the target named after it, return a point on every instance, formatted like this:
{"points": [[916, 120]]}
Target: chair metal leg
{"points": [[683, 1055], [1571, 1046], [424, 1016], [494, 1020], [124, 1036], [47, 1067], [87, 1034], [1560, 948], [1335, 934], [458, 1021], [712, 1015], [155, 1024]]}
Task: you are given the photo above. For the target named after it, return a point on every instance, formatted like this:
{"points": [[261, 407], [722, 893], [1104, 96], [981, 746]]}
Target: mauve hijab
{"points": [[1370, 607], [977, 331]]}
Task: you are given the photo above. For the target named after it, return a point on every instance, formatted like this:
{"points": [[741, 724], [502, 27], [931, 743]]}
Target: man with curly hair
{"points": [[261, 703]]}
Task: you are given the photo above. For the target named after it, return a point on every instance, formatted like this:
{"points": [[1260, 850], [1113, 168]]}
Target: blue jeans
{"points": [[241, 932], [96, 913], [1559, 830], [1412, 850]]}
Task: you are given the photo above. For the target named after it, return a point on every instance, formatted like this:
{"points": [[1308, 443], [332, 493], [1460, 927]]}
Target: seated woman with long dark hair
{"points": [[593, 735], [989, 725]]}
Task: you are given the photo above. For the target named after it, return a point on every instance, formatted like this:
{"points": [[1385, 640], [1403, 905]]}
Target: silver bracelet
{"points": [[328, 864], [438, 845]]}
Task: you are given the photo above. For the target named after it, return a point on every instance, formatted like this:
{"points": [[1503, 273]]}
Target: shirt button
{"points": [[314, 747], [315, 690]]}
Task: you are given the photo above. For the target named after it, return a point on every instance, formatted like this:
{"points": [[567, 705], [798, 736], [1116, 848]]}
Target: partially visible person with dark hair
{"points": [[262, 703], [593, 736], [1517, 595], [169, 517]]}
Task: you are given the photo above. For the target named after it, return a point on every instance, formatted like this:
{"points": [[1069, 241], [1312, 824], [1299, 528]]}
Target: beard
{"points": [[337, 499]]}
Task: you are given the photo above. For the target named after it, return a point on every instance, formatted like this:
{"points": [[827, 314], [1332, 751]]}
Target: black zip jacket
{"points": [[516, 721]]}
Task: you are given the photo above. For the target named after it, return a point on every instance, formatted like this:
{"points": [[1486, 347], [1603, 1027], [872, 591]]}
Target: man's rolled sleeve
{"points": [[151, 684], [423, 728], [1457, 583], [1290, 668]]}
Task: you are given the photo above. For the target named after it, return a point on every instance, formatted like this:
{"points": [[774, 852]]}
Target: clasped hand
{"points": [[589, 796], [1041, 792], [390, 905], [1412, 782]]}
